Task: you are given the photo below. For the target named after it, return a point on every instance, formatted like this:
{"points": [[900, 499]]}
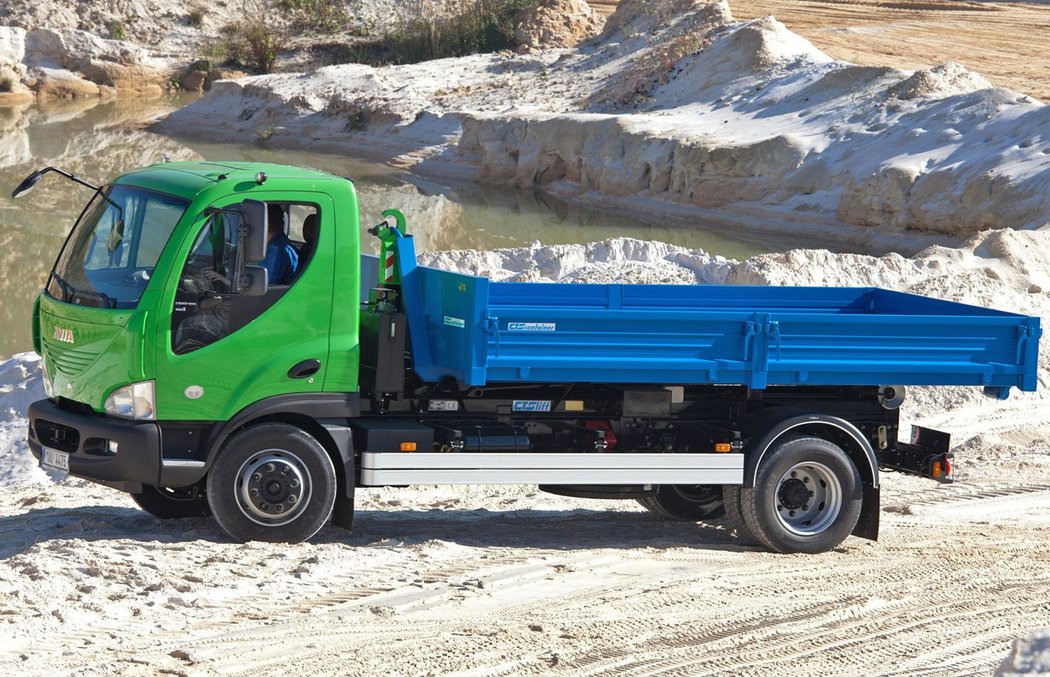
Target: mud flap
{"points": [[868, 524]]}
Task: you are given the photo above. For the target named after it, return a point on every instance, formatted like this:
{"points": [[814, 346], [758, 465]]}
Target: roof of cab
{"points": [[187, 179]]}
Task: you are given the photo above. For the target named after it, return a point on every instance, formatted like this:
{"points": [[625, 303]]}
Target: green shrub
{"points": [[7, 85], [116, 30], [255, 41], [484, 26]]}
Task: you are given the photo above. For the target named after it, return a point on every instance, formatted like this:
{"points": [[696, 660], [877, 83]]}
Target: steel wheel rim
{"points": [[808, 498], [273, 487]]}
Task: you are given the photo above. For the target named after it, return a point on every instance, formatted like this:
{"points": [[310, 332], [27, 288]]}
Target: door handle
{"points": [[305, 369]]}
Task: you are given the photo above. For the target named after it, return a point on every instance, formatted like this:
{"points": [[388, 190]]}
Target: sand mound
{"points": [[642, 17], [749, 49], [557, 23], [947, 79]]}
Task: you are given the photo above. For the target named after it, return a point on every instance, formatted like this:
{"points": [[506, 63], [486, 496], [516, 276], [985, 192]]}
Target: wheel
{"points": [[690, 502], [168, 503], [731, 501], [806, 498], [272, 482]]}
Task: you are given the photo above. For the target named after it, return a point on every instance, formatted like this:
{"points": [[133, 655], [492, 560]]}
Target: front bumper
{"points": [[85, 437]]}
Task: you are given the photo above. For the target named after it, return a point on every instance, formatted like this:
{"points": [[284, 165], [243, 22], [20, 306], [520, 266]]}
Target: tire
{"points": [[731, 501], [168, 503], [689, 502], [272, 482], [806, 498]]}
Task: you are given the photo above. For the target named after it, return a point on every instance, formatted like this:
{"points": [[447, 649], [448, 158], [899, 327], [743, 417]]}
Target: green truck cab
{"points": [[151, 361]]}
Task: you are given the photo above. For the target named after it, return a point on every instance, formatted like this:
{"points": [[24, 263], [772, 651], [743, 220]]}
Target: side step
{"points": [[396, 468]]}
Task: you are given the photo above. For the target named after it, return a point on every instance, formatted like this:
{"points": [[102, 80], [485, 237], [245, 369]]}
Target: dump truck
{"points": [[177, 371]]}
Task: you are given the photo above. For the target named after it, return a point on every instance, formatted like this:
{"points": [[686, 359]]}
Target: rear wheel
{"points": [[272, 482], [168, 503], [806, 498], [690, 502]]}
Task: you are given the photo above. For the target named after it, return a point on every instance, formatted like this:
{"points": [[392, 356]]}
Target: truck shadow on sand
{"points": [[519, 528], [540, 529]]}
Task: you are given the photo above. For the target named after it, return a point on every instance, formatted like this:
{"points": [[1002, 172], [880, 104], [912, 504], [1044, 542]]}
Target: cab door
{"points": [[219, 352]]}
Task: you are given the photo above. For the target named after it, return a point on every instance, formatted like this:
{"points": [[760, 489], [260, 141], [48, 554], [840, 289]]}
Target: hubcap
{"points": [[809, 498], [273, 487]]}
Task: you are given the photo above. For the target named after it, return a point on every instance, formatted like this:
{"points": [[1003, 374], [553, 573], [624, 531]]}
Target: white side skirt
{"points": [[379, 469]]}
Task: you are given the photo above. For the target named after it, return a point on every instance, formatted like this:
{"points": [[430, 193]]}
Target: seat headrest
{"points": [[311, 225]]}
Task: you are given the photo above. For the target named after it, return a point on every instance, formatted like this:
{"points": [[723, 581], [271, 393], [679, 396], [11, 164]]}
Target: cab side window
{"points": [[204, 310]]}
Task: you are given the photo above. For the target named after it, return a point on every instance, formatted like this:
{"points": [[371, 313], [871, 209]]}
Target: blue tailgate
{"points": [[480, 332]]}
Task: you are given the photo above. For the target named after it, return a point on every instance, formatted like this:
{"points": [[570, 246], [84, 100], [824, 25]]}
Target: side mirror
{"points": [[27, 184], [257, 281], [255, 221]]}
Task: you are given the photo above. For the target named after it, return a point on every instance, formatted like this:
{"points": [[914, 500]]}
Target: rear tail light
{"points": [[939, 467]]}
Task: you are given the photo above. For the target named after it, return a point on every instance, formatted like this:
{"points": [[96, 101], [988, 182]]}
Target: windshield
{"points": [[110, 255]]}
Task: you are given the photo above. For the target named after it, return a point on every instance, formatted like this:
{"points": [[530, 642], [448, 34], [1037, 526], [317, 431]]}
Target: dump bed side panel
{"points": [[480, 332], [757, 336]]}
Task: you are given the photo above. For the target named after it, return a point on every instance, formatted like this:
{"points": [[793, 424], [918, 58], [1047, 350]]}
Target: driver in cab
{"points": [[281, 257]]}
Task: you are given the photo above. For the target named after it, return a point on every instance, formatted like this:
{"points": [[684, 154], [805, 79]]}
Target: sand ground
{"points": [[502, 582]]}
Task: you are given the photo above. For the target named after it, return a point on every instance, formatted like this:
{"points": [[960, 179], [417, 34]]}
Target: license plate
{"points": [[53, 459]]}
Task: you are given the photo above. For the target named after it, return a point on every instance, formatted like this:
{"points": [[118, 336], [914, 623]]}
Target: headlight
{"points": [[49, 389], [133, 401]]}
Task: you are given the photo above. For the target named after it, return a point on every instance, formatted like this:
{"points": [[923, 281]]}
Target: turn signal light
{"points": [[408, 446], [937, 470], [723, 447]]}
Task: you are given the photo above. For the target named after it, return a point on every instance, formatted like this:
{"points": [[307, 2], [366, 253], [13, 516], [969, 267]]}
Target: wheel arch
{"points": [[775, 426], [324, 417]]}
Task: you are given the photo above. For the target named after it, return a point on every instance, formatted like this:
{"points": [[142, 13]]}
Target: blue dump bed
{"points": [[480, 332]]}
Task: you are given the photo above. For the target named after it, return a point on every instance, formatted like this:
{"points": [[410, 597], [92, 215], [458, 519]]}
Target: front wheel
{"points": [[168, 503], [689, 502], [806, 498], [272, 482]]}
